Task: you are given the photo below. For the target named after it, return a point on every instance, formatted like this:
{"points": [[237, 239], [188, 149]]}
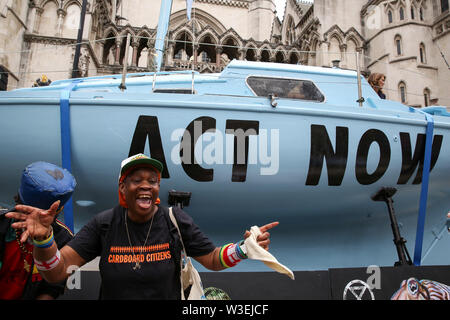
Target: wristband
{"points": [[49, 264], [47, 243], [231, 254]]}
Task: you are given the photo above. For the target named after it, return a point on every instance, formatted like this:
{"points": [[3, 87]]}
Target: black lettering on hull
{"points": [[409, 162], [321, 148], [362, 154], [148, 126], [241, 129], [194, 131]]}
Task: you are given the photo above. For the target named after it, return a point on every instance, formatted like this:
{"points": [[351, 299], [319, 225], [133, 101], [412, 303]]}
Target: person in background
{"points": [[43, 81], [377, 80], [41, 185]]}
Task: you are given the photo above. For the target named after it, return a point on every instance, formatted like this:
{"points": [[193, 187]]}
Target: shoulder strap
{"points": [[174, 221], [105, 218]]}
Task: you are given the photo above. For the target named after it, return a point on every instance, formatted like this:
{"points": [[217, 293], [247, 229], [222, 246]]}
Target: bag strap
{"points": [[174, 221]]}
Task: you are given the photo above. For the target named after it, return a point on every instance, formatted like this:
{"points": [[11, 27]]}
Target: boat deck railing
{"points": [[119, 76]]}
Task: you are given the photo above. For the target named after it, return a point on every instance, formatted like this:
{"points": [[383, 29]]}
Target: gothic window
{"points": [[390, 18], [109, 50], [398, 45], [230, 48], [250, 55], [444, 5], [3, 79], [426, 97], [265, 56], [142, 58], [413, 13], [72, 21], [208, 46], [402, 13], [48, 19], [422, 53], [183, 46], [421, 14], [290, 34], [279, 57], [293, 59], [402, 91]]}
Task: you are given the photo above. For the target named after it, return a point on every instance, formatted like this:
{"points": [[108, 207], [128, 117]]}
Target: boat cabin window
{"points": [[181, 91], [285, 88]]}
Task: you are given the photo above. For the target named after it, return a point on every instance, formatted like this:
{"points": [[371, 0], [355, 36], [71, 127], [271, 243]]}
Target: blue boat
{"points": [[256, 143]]}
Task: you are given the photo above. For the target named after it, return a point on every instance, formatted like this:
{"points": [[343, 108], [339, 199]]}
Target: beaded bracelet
{"points": [[231, 254], [47, 243]]}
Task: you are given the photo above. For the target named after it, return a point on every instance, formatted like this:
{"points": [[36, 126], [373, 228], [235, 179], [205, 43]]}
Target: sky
{"points": [[280, 8], [280, 4]]}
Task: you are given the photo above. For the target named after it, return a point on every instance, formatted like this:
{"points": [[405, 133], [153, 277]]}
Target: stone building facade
{"points": [[408, 40]]}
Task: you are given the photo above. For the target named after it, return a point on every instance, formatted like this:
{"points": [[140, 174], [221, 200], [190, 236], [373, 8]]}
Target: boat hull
{"points": [[308, 166]]}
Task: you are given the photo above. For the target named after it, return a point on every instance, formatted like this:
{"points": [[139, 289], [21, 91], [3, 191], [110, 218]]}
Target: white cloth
{"points": [[256, 252]]}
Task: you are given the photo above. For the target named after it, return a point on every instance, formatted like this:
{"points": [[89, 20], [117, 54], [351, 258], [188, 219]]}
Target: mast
{"points": [[75, 72], [163, 26]]}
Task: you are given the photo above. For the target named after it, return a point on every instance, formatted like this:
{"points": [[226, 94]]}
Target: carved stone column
{"points": [[344, 58], [135, 46], [101, 44], [273, 56], [170, 53], [242, 54], [61, 14], [195, 53], [219, 50], [151, 63], [117, 57]]}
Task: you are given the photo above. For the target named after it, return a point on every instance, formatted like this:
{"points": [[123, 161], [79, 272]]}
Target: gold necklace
{"points": [[137, 265]]}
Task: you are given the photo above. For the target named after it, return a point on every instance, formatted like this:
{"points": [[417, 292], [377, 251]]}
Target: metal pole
{"points": [[358, 71], [125, 64], [79, 39]]}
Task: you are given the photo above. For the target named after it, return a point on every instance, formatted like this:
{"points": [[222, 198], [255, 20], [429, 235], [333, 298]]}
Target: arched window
{"points": [[422, 53], [402, 91], [413, 13], [402, 13], [444, 6], [390, 19], [398, 45], [290, 31], [421, 14], [426, 97]]}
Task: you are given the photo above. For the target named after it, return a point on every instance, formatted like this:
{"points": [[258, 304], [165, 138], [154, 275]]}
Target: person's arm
{"points": [[51, 262], [212, 260]]}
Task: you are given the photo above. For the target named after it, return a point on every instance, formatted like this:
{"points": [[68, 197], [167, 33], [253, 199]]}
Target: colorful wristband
{"points": [[47, 243], [231, 254], [49, 264]]}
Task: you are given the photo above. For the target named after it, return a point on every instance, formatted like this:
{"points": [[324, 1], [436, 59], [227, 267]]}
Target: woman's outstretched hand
{"points": [[264, 238], [35, 222]]}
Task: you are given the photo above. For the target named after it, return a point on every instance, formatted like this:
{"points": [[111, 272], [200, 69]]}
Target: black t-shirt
{"points": [[158, 276]]}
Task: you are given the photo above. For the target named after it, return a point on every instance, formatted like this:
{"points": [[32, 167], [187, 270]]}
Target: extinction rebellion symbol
{"points": [[358, 290]]}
